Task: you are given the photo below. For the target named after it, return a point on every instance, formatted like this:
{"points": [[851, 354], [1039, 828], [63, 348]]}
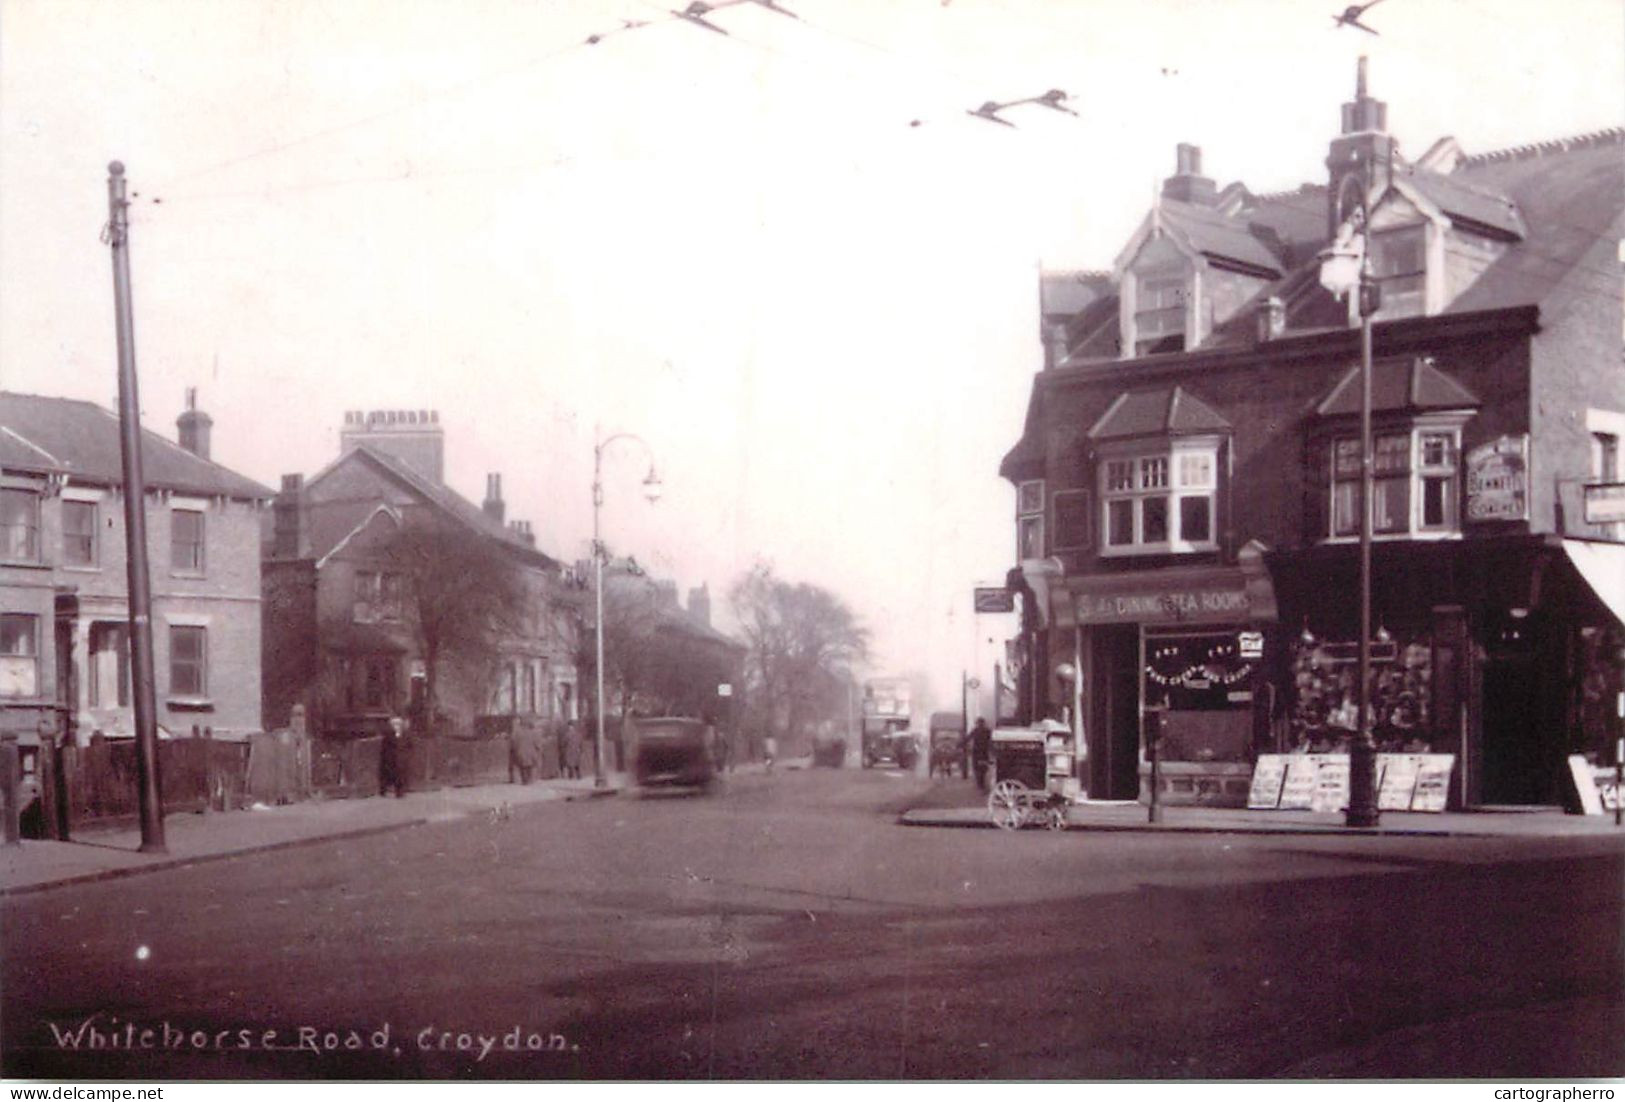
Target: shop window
{"points": [[186, 541], [19, 525], [1206, 687], [19, 655], [1030, 519], [1324, 693], [1161, 502], [188, 661], [78, 533], [1415, 484]]}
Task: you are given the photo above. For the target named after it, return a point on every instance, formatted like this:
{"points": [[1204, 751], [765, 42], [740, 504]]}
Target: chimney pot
{"points": [[1188, 159]]}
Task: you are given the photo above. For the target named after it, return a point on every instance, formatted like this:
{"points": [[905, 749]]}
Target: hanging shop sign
{"points": [[1498, 479], [989, 599]]}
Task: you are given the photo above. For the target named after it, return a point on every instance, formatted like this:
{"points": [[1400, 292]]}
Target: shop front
{"points": [[1496, 651], [1183, 648]]}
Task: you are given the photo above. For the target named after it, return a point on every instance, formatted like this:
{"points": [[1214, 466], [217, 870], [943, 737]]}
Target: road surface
{"points": [[786, 926]]}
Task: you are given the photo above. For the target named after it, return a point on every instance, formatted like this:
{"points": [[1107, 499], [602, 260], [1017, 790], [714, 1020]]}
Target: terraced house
{"points": [[64, 604], [1187, 478]]}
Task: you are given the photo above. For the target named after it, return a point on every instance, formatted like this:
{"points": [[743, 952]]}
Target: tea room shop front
{"points": [[1182, 647]]}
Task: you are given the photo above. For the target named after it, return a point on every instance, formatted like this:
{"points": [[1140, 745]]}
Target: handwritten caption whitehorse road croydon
{"points": [[92, 1035]]}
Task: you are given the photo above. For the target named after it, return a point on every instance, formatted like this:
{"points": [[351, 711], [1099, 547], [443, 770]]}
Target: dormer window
{"points": [[1159, 313], [1399, 265]]}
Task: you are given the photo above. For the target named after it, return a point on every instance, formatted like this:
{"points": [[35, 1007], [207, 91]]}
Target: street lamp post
{"points": [[1346, 267], [651, 490]]}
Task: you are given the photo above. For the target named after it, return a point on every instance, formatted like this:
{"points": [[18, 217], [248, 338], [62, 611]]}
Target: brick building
{"points": [[338, 636], [1186, 480], [64, 604]]}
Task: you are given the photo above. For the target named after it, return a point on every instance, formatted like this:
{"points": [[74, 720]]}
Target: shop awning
{"points": [[1171, 595], [1602, 565]]}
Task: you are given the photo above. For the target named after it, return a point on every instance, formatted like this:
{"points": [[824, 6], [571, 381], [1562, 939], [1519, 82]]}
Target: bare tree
{"points": [[461, 593], [803, 642]]}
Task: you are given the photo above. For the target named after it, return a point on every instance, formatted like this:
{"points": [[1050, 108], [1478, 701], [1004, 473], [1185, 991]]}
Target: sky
{"points": [[784, 259]]}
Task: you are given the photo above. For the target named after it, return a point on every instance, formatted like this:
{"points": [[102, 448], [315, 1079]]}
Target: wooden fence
{"points": [[97, 785]]}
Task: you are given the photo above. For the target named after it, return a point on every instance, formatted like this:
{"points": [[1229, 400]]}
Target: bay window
{"points": [[1415, 483], [1160, 501]]}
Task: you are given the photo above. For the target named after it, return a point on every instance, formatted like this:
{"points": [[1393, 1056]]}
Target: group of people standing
{"points": [[524, 755]]}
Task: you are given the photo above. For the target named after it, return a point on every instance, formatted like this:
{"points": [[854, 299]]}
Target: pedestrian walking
{"points": [[770, 750], [981, 749], [523, 753], [392, 759]]}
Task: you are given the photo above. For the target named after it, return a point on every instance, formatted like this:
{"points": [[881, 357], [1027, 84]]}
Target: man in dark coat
{"points": [[392, 759], [981, 749]]}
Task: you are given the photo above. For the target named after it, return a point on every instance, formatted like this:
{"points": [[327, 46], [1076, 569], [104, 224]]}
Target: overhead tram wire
{"points": [[367, 120]]}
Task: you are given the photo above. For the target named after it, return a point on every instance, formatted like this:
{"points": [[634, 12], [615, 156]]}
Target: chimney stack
{"points": [[286, 535], [1271, 319], [193, 425], [1364, 147], [1187, 184], [493, 504], [699, 604]]}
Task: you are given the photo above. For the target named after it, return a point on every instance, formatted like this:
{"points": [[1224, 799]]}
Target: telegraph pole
{"points": [[135, 522]]}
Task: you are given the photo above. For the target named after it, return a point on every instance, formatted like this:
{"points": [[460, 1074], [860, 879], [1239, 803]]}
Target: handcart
{"points": [[1031, 770]]}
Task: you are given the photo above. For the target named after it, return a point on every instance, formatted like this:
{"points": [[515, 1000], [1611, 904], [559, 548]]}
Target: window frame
{"points": [[1341, 481], [182, 631], [201, 543], [28, 653], [1384, 246], [118, 634], [1032, 499], [1138, 474], [29, 525], [1150, 286], [92, 559]]}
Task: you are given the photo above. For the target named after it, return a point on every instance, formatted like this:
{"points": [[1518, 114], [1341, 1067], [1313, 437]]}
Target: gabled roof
{"points": [[1164, 411], [448, 502], [1068, 292], [1483, 207], [1218, 236], [81, 439], [1398, 385], [1558, 206]]}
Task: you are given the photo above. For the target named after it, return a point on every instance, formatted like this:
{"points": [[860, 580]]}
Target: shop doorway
{"points": [[1514, 766], [1114, 746]]}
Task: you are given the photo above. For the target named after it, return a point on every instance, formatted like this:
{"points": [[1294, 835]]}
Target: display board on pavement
{"points": [[1320, 782]]}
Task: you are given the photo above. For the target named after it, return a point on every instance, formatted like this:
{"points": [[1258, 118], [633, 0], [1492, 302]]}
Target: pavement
{"points": [[101, 854], [1133, 816]]}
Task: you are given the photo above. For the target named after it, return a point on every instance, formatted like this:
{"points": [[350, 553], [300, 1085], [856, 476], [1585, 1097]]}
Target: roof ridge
{"points": [[181, 448], [1306, 188], [1530, 150]]}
